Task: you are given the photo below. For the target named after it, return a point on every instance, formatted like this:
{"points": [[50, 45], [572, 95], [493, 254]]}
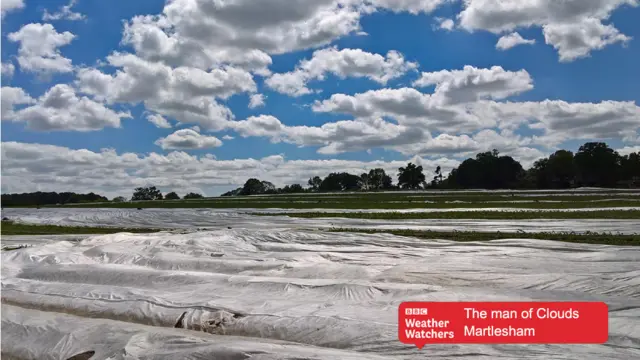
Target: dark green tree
{"points": [[630, 169], [172, 196], [268, 188], [234, 192], [379, 180], [193, 195], [597, 164], [411, 177], [487, 171], [437, 179], [314, 183], [146, 193], [292, 189], [340, 182], [364, 181], [49, 198], [252, 186]]}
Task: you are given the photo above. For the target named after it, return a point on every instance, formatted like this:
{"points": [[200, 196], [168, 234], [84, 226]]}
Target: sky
{"points": [[200, 95]]}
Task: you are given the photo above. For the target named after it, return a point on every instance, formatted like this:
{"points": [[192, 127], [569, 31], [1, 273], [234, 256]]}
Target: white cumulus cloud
{"points": [[61, 109], [10, 5], [342, 63], [512, 40], [65, 13], [38, 51], [573, 27], [189, 139]]}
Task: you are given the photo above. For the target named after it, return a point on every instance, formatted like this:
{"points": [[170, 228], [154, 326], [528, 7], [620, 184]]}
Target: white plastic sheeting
{"points": [[240, 218], [293, 294]]}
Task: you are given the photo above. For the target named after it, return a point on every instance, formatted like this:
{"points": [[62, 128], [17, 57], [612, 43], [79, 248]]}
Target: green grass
{"points": [[395, 200], [12, 228], [489, 215], [467, 236]]}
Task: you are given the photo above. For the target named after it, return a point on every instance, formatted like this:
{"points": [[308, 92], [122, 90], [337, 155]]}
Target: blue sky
{"points": [[334, 98]]}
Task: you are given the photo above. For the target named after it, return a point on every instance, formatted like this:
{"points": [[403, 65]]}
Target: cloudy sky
{"points": [[199, 95]]}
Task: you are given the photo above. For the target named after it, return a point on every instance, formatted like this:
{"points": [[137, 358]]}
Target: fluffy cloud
{"points": [[8, 69], [577, 40], [159, 121], [447, 24], [365, 133], [26, 167], [188, 139], [64, 13], [628, 150], [184, 93], [512, 40], [342, 63], [462, 146], [573, 27], [38, 51], [205, 33], [558, 120], [471, 84], [10, 97], [256, 100], [410, 6], [333, 138], [61, 109], [10, 5]]}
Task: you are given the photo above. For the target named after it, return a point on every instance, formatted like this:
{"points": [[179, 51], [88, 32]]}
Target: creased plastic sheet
{"points": [[293, 294], [243, 218]]}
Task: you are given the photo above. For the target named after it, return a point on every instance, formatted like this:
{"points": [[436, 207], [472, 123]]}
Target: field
{"points": [[401, 200], [315, 276]]}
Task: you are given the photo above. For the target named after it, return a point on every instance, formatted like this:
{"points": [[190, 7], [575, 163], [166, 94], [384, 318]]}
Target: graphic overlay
{"points": [[422, 323]]}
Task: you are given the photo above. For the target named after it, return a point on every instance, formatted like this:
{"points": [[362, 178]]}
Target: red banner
{"points": [[423, 323]]}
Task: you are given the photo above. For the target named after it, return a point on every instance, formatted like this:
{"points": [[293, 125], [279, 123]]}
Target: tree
{"points": [[630, 169], [538, 175], [268, 188], [314, 183], [172, 196], [146, 193], [487, 171], [340, 182], [410, 177], [364, 181], [254, 186], [555, 172], [292, 189], [597, 165], [378, 179], [437, 179], [119, 199], [49, 198], [193, 195], [234, 192]]}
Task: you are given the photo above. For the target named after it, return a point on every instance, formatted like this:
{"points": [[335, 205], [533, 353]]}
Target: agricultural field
{"points": [[400, 200], [315, 273]]}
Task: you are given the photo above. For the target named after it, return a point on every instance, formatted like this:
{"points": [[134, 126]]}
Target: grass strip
{"points": [[13, 228], [488, 215], [468, 236]]}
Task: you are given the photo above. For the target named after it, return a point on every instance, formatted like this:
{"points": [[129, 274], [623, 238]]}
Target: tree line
{"points": [[152, 193], [49, 198], [595, 164]]}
